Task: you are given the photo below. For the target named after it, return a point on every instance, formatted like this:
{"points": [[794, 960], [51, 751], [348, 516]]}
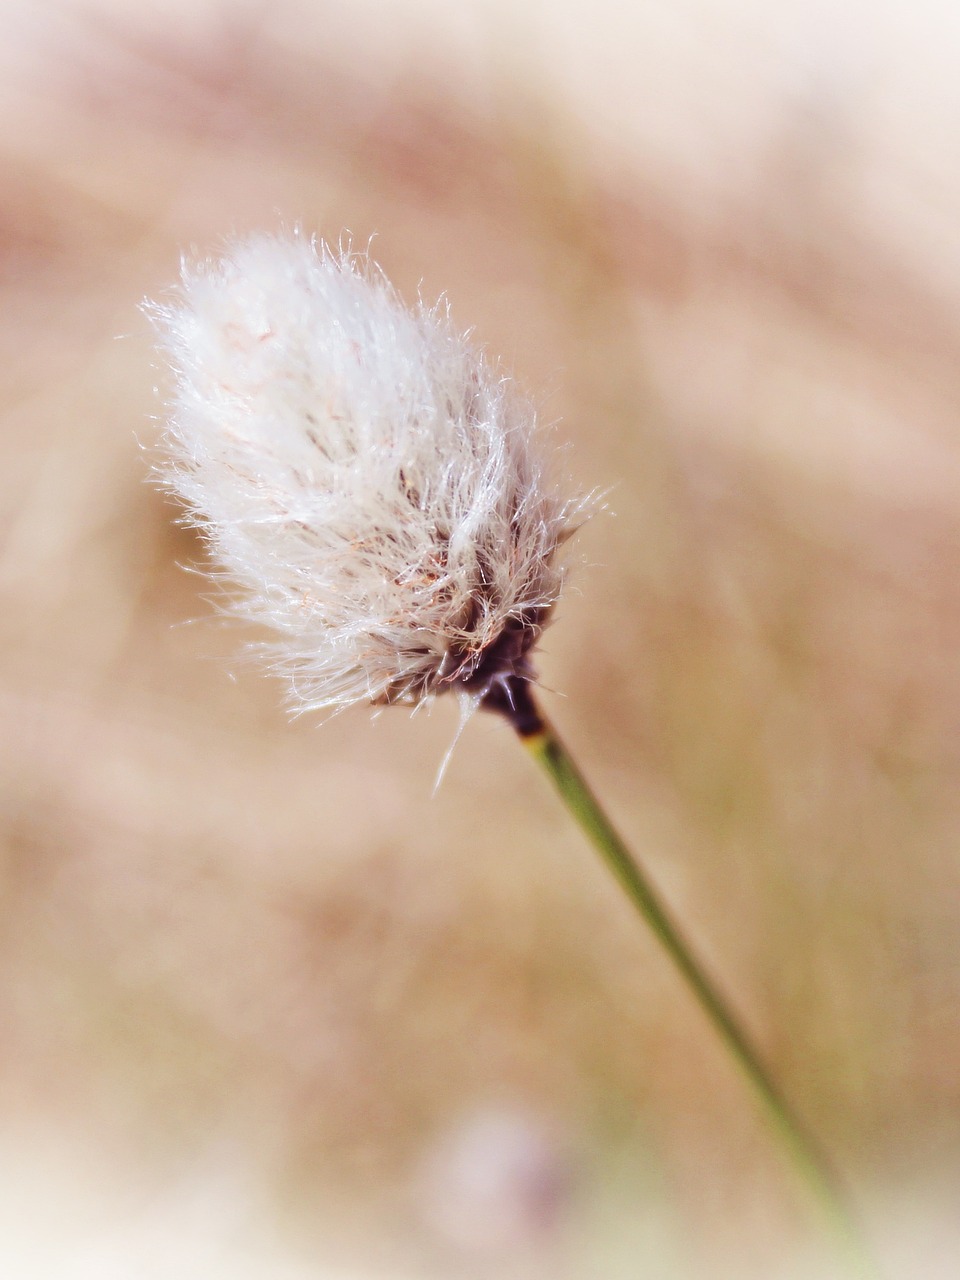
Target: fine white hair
{"points": [[372, 489]]}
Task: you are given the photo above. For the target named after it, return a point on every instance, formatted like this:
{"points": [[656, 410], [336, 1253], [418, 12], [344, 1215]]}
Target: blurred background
{"points": [[268, 1009]]}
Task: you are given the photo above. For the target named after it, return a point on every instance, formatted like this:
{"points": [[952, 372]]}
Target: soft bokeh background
{"points": [[267, 1008]]}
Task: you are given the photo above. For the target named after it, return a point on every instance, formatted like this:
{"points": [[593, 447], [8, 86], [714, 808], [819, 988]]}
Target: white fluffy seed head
{"points": [[372, 489]]}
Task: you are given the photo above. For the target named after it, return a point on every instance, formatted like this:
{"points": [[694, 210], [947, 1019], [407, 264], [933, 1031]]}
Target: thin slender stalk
{"points": [[809, 1160]]}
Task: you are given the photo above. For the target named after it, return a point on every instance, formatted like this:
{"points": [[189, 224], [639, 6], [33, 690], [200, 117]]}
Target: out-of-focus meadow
{"points": [[267, 1008]]}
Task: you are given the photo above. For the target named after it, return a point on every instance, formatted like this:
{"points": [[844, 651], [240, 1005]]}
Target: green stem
{"points": [[810, 1162]]}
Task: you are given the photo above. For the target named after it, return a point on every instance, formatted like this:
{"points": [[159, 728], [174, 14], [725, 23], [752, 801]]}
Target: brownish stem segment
{"points": [[513, 699]]}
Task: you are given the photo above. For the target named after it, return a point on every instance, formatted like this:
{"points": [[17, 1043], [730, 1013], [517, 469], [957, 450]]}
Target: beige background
{"points": [[268, 1009]]}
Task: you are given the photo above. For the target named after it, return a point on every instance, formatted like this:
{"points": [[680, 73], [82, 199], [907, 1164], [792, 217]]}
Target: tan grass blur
{"points": [[267, 1008]]}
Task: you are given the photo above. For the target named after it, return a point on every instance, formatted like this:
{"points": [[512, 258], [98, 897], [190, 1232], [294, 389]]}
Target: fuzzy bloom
{"points": [[371, 488]]}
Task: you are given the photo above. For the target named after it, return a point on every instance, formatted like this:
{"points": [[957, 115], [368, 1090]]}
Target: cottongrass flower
{"points": [[374, 489], [377, 494]]}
